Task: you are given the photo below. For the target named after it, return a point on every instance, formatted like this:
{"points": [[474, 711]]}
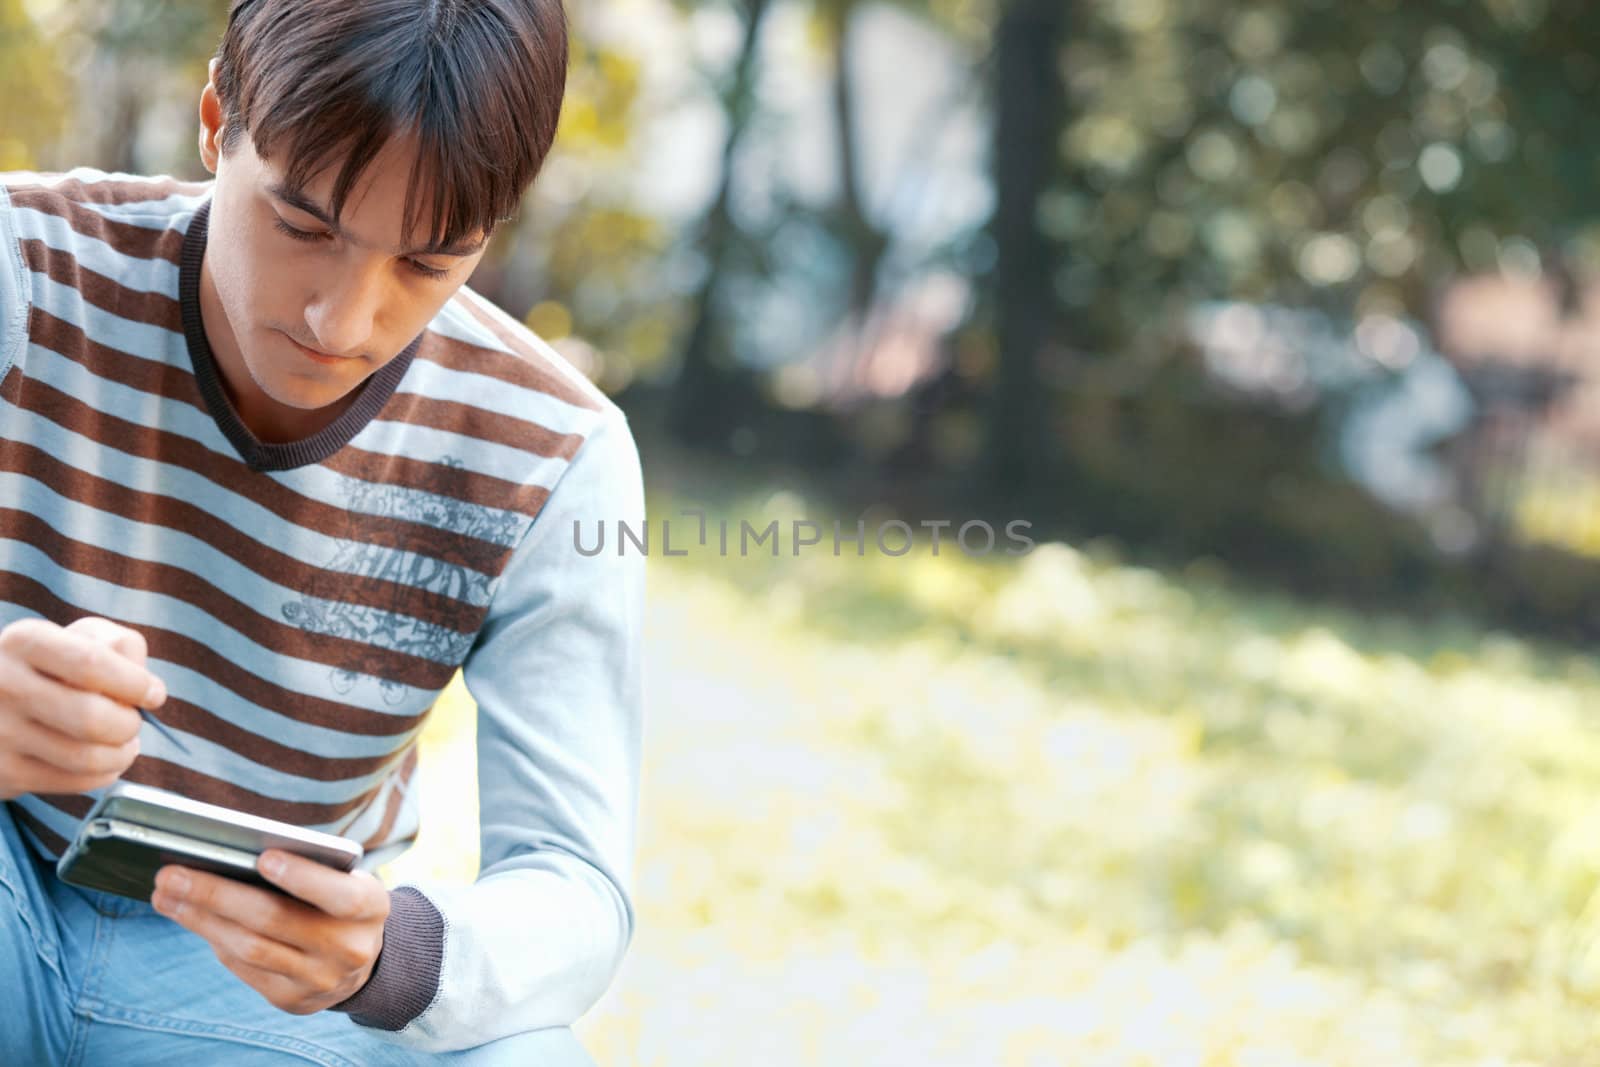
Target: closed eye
{"points": [[306, 235]]}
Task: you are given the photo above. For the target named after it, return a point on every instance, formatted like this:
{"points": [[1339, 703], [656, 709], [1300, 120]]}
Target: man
{"points": [[270, 470]]}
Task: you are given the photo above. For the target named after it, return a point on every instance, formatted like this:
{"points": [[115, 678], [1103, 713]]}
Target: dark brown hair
{"points": [[479, 82]]}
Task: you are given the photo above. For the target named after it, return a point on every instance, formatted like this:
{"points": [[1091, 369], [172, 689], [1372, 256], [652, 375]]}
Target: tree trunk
{"points": [[867, 243], [701, 395], [1030, 110]]}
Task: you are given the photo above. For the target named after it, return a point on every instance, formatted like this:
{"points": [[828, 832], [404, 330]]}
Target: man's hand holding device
{"points": [[303, 952], [305, 936]]}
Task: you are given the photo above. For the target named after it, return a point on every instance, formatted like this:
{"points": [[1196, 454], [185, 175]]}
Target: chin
{"points": [[293, 391]]}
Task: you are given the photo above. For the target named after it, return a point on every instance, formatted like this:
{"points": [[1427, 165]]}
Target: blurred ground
{"points": [[1064, 810]]}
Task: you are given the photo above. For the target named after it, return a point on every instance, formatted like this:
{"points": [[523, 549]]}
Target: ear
{"points": [[211, 124]]}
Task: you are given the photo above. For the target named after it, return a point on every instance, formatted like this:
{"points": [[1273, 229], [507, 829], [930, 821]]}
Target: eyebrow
{"points": [[296, 199]]}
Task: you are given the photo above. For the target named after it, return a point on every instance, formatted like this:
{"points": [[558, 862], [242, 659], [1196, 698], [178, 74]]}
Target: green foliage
{"points": [[1179, 464], [1343, 153]]}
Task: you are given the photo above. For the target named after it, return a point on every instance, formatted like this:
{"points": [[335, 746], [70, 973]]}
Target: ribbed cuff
{"points": [[405, 978]]}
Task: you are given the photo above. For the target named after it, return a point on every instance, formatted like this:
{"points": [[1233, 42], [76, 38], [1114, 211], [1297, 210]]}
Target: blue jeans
{"points": [[92, 978]]}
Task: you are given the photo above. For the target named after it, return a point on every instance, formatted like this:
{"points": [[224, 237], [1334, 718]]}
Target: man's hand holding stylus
{"points": [[67, 699]]}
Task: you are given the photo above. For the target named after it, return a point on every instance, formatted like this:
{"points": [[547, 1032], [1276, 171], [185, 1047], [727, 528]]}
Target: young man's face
{"points": [[359, 293]]}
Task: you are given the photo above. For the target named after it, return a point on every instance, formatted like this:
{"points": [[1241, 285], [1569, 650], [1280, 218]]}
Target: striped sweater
{"points": [[305, 602]]}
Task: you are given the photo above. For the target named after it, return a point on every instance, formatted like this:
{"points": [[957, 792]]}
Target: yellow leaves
{"points": [[1448, 661], [648, 340], [14, 154], [944, 586], [915, 816], [1052, 594], [31, 85], [550, 320], [597, 114], [601, 236], [1544, 513], [1317, 661]]}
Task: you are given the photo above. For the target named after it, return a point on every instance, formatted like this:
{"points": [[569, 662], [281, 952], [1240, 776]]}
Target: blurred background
{"points": [[1277, 321]]}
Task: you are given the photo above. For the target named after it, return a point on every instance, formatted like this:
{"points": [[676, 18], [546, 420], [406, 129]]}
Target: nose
{"points": [[342, 314]]}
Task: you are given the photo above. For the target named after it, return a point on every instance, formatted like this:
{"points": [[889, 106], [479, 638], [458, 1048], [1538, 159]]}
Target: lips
{"points": [[320, 357]]}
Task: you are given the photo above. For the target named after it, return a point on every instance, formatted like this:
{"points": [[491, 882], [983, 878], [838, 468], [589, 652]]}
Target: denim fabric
{"points": [[95, 979]]}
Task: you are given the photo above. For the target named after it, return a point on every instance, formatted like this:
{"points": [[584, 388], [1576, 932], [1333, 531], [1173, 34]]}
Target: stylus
{"points": [[168, 734]]}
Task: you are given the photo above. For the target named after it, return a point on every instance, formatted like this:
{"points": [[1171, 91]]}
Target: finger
{"points": [[71, 754], [252, 907], [352, 895], [78, 714], [47, 780], [233, 941], [129, 642], [81, 662]]}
